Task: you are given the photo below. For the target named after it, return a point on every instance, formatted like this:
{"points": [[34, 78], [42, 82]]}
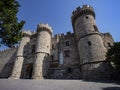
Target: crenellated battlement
{"points": [[62, 35], [6, 54], [84, 10], [9, 49], [26, 33], [42, 26], [106, 34]]}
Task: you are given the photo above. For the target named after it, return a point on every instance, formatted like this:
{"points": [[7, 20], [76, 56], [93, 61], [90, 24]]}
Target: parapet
{"points": [[9, 49], [84, 10], [26, 33], [46, 27], [62, 35], [107, 35]]}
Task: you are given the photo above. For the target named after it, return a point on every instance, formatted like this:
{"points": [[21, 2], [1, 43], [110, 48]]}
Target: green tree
{"points": [[113, 55], [10, 27]]}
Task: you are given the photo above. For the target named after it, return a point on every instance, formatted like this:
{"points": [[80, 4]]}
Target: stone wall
{"points": [[64, 47], [97, 71], [108, 40], [65, 73], [7, 59], [29, 56]]}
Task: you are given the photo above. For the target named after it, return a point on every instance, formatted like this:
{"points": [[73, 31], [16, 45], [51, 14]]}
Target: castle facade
{"points": [[76, 55]]}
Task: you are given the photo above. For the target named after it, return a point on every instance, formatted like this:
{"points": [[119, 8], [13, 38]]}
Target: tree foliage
{"points": [[10, 28], [113, 55]]}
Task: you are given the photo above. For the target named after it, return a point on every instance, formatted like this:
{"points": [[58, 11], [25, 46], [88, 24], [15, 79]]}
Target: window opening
{"points": [[89, 43]]}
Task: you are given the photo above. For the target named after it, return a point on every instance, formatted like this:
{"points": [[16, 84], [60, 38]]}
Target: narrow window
{"points": [[67, 43], [33, 48], [109, 44], [89, 43], [95, 28], [69, 70], [66, 53], [47, 54], [86, 17], [52, 57], [52, 46], [24, 52]]}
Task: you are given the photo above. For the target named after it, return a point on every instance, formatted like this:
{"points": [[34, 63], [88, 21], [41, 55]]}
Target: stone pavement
{"points": [[7, 84]]}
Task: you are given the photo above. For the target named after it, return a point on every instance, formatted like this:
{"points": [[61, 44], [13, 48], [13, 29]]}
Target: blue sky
{"points": [[57, 13]]}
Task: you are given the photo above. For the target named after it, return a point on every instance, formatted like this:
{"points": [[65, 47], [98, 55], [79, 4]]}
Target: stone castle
{"points": [[77, 55]]}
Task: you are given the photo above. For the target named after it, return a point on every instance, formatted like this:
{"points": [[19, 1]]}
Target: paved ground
{"points": [[6, 84]]}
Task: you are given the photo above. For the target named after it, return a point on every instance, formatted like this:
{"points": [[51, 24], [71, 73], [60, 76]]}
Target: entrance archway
{"points": [[29, 69]]}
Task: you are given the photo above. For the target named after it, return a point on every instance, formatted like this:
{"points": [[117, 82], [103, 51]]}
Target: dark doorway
{"points": [[29, 69]]}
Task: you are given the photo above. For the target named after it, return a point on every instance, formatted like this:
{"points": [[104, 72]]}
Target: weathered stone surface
{"points": [[7, 59], [90, 43], [16, 72], [43, 46]]}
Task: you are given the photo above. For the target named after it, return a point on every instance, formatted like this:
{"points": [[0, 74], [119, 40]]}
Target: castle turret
{"points": [[43, 44], [90, 44], [16, 72]]}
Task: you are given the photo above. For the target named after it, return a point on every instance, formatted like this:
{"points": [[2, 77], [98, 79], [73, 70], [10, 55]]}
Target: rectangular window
{"points": [[69, 70], [66, 53], [67, 43]]}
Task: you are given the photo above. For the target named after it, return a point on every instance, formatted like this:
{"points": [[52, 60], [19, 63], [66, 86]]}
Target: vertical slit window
{"points": [[95, 28], [89, 43], [33, 49]]}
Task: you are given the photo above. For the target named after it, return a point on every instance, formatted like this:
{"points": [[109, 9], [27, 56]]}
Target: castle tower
{"points": [[90, 44], [43, 46], [16, 72]]}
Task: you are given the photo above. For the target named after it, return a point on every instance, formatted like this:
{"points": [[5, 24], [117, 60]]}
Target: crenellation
{"points": [[9, 49], [78, 8], [68, 33], [62, 35], [87, 6], [85, 10], [27, 33], [44, 27]]}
